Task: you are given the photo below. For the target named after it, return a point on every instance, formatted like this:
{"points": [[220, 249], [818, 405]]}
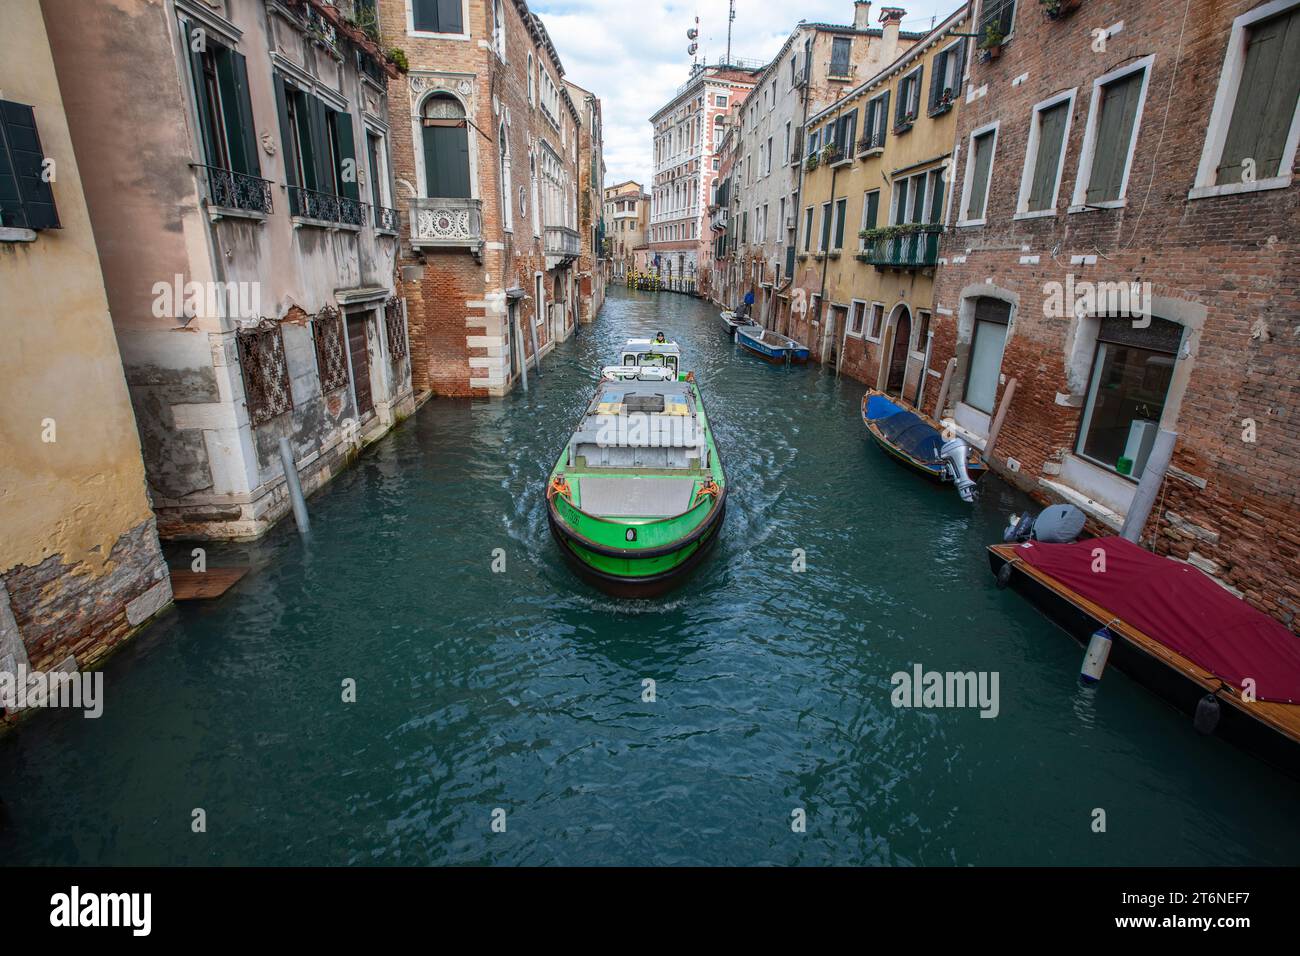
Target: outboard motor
{"points": [[954, 452]]}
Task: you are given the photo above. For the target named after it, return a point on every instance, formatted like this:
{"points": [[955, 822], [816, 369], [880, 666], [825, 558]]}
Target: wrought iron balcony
{"points": [[231, 190], [447, 223], [917, 249], [387, 220], [561, 242], [326, 207]]}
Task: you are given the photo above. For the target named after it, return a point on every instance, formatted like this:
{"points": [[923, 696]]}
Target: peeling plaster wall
{"points": [[214, 474], [79, 549]]}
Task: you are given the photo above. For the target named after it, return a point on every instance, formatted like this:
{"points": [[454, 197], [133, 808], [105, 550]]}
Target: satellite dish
{"points": [[692, 48], [693, 33]]}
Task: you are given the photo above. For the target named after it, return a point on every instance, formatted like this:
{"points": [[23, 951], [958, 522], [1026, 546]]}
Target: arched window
{"points": [[446, 148], [503, 168]]}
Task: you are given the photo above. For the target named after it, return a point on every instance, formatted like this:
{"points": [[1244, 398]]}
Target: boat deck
{"points": [[1282, 717]]}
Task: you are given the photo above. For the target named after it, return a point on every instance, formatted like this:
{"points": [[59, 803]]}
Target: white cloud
{"points": [[633, 54]]}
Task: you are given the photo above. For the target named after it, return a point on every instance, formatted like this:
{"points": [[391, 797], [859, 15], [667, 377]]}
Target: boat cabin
{"points": [[640, 425], [643, 352]]}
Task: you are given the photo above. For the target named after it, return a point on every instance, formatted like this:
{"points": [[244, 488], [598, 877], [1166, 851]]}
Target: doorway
{"points": [[359, 354], [898, 353]]}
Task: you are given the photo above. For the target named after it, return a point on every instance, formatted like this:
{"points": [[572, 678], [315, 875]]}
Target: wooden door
{"points": [[359, 351], [898, 354]]}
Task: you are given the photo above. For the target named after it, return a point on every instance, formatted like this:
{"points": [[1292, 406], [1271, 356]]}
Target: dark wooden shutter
{"points": [[841, 213], [288, 136], [1051, 132], [980, 176], [446, 161], [360, 352], [26, 200], [936, 196], [1266, 98], [239, 117], [936, 81], [318, 124], [344, 150], [959, 71], [1119, 102], [914, 93], [200, 96]]}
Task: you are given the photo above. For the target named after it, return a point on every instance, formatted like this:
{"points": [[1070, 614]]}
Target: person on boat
{"points": [[659, 339]]}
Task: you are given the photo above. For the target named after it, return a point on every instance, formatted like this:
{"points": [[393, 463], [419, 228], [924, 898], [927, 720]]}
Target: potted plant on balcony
{"points": [[991, 45], [1059, 9], [812, 162]]}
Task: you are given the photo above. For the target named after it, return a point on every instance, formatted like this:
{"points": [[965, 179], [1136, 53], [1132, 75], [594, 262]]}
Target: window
{"points": [[785, 156], [532, 90], [720, 100], [768, 156], [992, 317], [877, 121], [814, 141], [841, 133], [320, 159], [918, 198], [841, 208], [265, 371], [437, 16], [909, 100], [503, 178], [876, 321], [979, 168], [922, 330], [841, 48], [446, 148], [857, 317], [807, 228], [1111, 135], [331, 362], [1127, 388], [870, 214], [26, 199], [1256, 114], [945, 85], [1045, 156], [826, 227], [999, 14], [499, 29]]}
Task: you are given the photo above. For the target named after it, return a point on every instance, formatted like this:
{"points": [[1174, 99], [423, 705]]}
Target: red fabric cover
{"points": [[1180, 607]]}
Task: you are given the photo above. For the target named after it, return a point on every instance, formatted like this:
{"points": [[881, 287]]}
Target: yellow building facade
{"points": [[874, 203]]}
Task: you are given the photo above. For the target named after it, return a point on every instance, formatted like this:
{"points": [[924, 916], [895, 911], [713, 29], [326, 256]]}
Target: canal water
{"points": [[524, 690]]}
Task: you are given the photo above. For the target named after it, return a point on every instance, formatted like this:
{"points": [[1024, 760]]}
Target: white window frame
{"points": [[919, 351], [866, 325], [1225, 99], [1086, 153], [1031, 155], [970, 171], [902, 84], [427, 35], [866, 315]]}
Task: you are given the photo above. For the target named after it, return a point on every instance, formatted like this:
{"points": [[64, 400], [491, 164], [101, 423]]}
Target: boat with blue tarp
{"points": [[918, 441]]}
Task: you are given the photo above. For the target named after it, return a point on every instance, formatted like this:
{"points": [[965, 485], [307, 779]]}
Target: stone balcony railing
{"points": [[446, 223], [561, 244]]}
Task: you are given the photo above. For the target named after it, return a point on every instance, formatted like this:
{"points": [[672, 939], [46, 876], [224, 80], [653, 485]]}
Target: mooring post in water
{"points": [[532, 328], [943, 388], [519, 343], [996, 427], [295, 487], [1162, 450]]}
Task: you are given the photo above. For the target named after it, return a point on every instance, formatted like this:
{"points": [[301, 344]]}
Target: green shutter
{"points": [[936, 81], [26, 200], [1119, 102], [900, 207], [826, 228], [287, 136], [873, 210], [446, 162], [1051, 132], [1266, 99], [200, 99], [936, 196], [841, 209], [345, 150], [324, 177], [243, 119], [980, 176]]}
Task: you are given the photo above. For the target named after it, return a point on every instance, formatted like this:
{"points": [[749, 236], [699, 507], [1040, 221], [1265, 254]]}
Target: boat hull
{"points": [[935, 471], [793, 354], [609, 572], [1236, 726]]}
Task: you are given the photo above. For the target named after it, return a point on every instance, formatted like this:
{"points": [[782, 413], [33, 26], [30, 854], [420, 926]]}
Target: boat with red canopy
{"points": [[1174, 630]]}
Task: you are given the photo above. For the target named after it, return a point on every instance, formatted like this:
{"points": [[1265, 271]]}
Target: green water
{"points": [[523, 690]]}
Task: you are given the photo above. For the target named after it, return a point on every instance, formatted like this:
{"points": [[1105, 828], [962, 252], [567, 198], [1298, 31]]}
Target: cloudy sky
{"points": [[632, 53]]}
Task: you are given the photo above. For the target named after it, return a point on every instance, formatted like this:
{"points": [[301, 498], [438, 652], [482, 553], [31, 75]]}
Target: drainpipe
{"points": [[1152, 477]]}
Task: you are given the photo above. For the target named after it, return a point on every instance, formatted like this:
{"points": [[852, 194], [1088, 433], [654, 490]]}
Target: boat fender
{"points": [[1208, 711], [1004, 576], [1094, 661]]}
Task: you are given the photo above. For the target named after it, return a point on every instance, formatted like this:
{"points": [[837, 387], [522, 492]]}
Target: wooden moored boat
{"points": [[731, 321], [917, 440], [771, 346], [1175, 631], [638, 494]]}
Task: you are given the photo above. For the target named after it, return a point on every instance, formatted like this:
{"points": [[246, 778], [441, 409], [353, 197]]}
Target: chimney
{"points": [[891, 17], [862, 14]]}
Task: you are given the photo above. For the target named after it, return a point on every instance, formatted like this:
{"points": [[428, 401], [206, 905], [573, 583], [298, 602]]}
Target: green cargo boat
{"points": [[638, 495]]}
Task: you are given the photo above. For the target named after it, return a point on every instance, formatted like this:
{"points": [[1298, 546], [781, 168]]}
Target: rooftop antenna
{"points": [[731, 17], [693, 34]]}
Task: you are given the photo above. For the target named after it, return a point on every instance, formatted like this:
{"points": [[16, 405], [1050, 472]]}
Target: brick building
{"points": [[687, 131], [591, 206], [250, 273], [487, 156], [1125, 251]]}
